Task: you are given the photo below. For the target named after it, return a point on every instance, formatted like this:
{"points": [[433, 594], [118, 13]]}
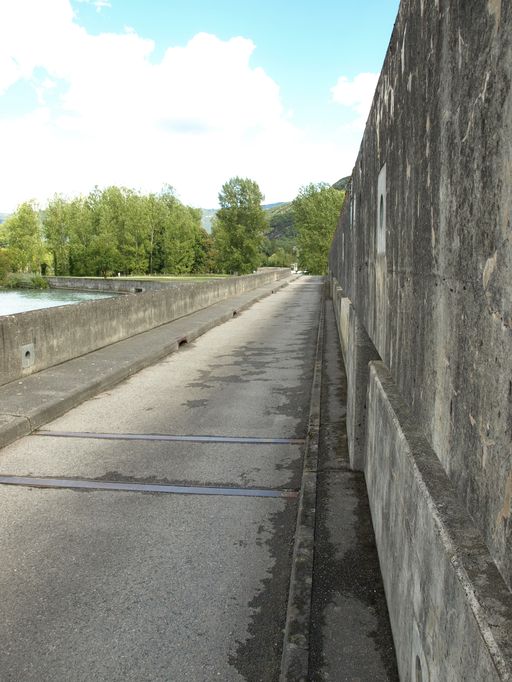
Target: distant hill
{"points": [[280, 215], [342, 184], [280, 220], [269, 207], [3, 216]]}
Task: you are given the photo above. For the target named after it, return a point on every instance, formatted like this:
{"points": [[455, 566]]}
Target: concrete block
{"points": [[13, 427], [450, 609], [358, 350]]}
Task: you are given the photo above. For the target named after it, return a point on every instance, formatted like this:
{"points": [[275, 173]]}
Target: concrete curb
{"points": [[295, 657], [39, 398]]}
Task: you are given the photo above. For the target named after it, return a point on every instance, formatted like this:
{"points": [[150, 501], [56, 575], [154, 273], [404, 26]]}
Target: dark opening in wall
{"points": [[418, 671], [381, 211]]}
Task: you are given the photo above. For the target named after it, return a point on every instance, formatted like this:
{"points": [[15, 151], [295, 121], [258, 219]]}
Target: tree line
{"points": [[106, 232], [118, 230]]}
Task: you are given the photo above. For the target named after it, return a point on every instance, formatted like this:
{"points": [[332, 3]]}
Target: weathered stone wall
{"points": [[35, 340], [423, 251]]}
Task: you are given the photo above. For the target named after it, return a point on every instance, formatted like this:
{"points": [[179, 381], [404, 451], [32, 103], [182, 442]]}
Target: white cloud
{"points": [[99, 4], [107, 114], [356, 94]]}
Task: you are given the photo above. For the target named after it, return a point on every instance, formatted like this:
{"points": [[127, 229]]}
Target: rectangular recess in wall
{"points": [[381, 212]]}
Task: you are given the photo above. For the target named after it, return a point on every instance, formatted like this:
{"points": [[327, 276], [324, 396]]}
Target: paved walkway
{"points": [[350, 631], [148, 533]]}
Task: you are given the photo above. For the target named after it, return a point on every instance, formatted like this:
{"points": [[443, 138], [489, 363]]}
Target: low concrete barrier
{"points": [[450, 609], [120, 285], [38, 339]]}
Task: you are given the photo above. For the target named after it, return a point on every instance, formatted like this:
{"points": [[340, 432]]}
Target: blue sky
{"points": [[146, 93]]}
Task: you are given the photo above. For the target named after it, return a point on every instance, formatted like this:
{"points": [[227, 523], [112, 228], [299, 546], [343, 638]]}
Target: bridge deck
{"points": [[148, 533]]}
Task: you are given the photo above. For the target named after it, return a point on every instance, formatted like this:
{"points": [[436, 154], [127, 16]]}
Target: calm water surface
{"points": [[12, 302]]}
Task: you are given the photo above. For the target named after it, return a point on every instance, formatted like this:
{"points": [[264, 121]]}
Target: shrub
{"points": [[25, 281], [39, 282]]}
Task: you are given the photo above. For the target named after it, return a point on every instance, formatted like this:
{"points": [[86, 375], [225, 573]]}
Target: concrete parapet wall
{"points": [[450, 610], [126, 286], [38, 339]]}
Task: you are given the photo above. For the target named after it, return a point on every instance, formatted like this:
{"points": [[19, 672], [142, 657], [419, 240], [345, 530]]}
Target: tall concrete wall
{"points": [[422, 279], [38, 339]]}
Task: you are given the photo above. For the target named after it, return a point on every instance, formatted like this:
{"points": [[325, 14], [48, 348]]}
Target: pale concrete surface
{"points": [[124, 586]]}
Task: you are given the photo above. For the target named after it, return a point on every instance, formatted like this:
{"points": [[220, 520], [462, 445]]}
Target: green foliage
{"points": [[239, 227], [39, 282], [56, 226], [24, 237], [20, 280], [3, 235], [281, 222], [116, 230], [316, 210], [5, 265], [280, 259]]}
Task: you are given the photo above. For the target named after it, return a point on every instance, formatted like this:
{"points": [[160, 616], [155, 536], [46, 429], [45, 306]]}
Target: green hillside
{"points": [[342, 184], [280, 220], [280, 216]]}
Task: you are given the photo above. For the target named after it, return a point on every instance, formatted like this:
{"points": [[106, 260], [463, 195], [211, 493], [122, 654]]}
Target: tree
{"points": [[57, 231], [24, 234], [5, 265], [239, 226], [316, 210], [181, 223], [81, 212], [203, 247]]}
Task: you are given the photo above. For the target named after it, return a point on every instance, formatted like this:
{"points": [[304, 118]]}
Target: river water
{"points": [[20, 301]]}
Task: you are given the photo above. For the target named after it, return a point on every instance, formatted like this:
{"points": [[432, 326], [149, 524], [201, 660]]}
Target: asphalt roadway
{"points": [[188, 579]]}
